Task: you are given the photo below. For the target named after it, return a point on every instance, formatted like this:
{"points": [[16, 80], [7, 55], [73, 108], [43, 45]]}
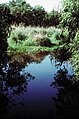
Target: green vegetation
{"points": [[5, 17], [33, 29], [70, 20], [24, 13], [37, 38], [75, 55], [70, 16], [28, 34]]}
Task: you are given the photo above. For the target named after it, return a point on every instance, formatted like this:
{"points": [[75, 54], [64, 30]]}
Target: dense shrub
{"points": [[70, 16], [39, 14], [75, 56], [40, 40], [70, 21], [52, 18]]}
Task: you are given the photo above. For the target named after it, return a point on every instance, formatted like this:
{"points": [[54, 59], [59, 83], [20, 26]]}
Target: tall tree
{"points": [[21, 11], [39, 14], [54, 18], [70, 16], [5, 20]]}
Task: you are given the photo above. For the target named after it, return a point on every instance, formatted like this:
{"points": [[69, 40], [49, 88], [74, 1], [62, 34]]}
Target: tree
{"points": [[70, 20], [54, 18], [5, 21], [70, 16], [39, 14], [21, 11]]}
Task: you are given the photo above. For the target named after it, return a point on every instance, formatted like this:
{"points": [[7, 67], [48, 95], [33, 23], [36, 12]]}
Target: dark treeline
{"points": [[24, 13], [5, 21]]}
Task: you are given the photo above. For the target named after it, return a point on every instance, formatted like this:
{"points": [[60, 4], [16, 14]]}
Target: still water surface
{"points": [[32, 98]]}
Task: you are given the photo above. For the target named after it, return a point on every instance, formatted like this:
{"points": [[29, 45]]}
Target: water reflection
{"points": [[61, 55], [67, 99], [3, 104], [18, 71], [11, 83], [11, 78]]}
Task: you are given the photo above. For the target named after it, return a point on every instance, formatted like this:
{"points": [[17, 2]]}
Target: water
{"points": [[28, 89]]}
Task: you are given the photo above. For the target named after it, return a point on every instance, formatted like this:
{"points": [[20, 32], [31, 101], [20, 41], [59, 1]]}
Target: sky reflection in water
{"points": [[37, 97], [39, 92]]}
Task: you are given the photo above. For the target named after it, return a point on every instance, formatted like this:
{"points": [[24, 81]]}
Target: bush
{"points": [[75, 56], [36, 36], [17, 35], [40, 40], [70, 16], [76, 41], [59, 36]]}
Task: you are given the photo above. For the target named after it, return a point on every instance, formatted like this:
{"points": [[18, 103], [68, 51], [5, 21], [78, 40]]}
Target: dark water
{"points": [[30, 89]]}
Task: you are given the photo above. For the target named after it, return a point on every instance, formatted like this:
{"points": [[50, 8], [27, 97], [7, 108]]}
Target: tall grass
{"points": [[21, 37]]}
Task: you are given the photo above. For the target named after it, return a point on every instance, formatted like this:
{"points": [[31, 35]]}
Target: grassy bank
{"points": [[32, 39]]}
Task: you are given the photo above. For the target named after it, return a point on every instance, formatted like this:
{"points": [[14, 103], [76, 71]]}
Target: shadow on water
{"points": [[11, 83], [62, 55], [23, 97], [67, 99]]}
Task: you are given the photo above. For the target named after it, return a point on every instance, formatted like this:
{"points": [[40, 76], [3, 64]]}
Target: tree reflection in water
{"points": [[3, 105], [11, 82], [61, 56], [67, 99]]}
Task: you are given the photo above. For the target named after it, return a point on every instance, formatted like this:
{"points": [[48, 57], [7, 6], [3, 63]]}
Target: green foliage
{"points": [[39, 13], [75, 63], [70, 20], [60, 36], [75, 57], [40, 40], [52, 18], [21, 37], [75, 43], [70, 16], [35, 16], [22, 12], [17, 36], [5, 20]]}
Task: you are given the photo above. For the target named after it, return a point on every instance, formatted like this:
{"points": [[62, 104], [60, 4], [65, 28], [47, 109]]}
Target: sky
{"points": [[49, 5]]}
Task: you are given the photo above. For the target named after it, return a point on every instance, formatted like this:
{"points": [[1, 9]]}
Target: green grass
{"points": [[33, 49], [31, 39]]}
